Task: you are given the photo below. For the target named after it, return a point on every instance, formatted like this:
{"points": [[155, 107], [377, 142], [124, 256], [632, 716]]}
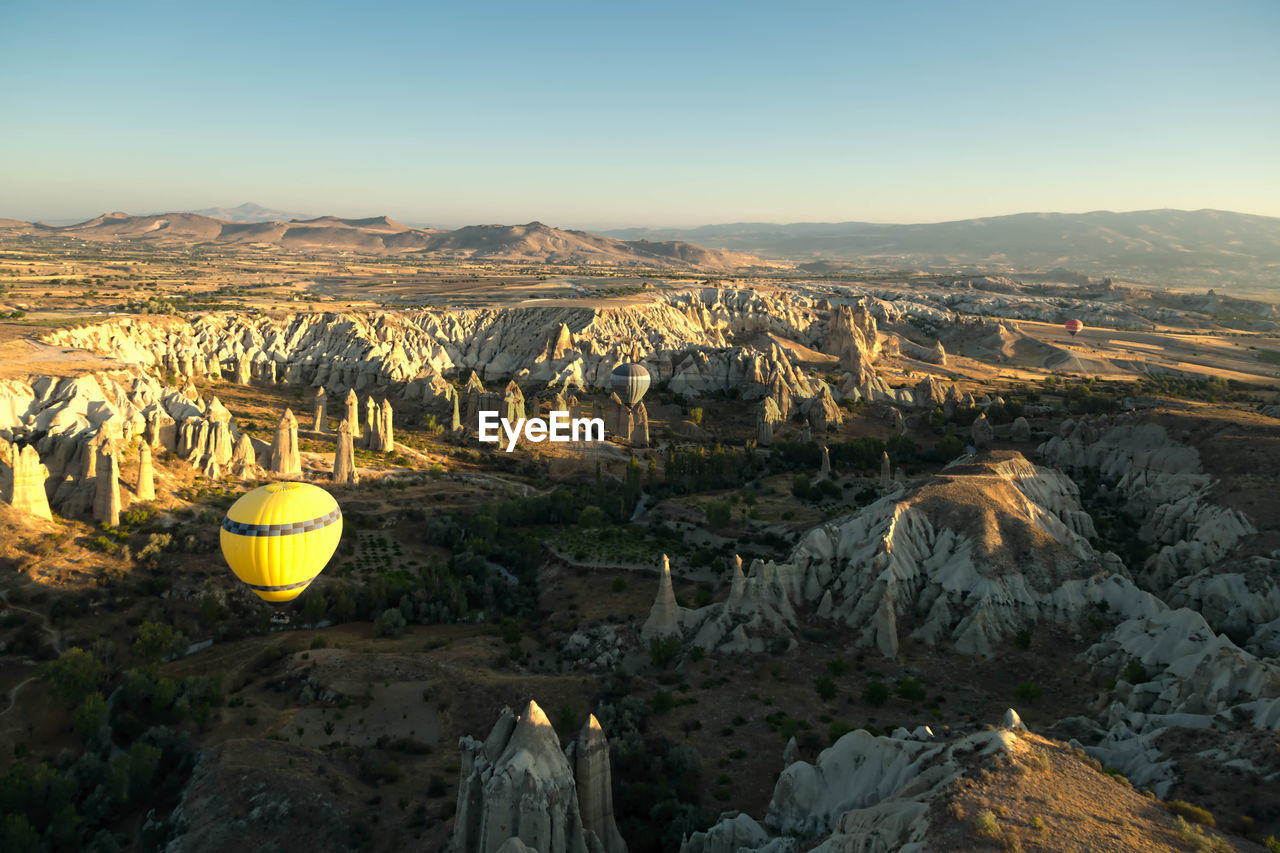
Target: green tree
{"points": [[591, 516], [826, 687], [155, 642], [314, 609], [390, 623], [89, 714], [74, 675], [19, 835]]}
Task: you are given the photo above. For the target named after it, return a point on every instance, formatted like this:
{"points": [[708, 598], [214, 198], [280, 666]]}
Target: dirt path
{"points": [[13, 693], [54, 635]]}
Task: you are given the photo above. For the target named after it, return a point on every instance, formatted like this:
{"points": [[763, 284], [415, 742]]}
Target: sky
{"points": [[597, 115]]}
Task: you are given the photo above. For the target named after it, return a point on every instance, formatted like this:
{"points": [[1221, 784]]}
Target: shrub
{"points": [[911, 689], [826, 687], [1027, 691], [390, 623], [1135, 672], [619, 585], [837, 730], [664, 651], [875, 693], [1193, 814], [838, 667], [986, 825], [663, 701]]}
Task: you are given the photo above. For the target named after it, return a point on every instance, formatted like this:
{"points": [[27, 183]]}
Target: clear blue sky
{"points": [[604, 114]]}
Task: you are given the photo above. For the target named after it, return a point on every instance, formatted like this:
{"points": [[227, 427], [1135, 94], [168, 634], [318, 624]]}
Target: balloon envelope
{"points": [[1074, 326], [630, 381], [277, 538]]}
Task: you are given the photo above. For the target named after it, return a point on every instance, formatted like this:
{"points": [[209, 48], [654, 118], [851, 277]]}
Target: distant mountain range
{"points": [[531, 243], [248, 212], [1199, 248], [1190, 246]]}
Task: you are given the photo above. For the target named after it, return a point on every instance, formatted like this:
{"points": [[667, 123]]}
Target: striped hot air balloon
{"points": [[630, 381], [277, 538], [1073, 327]]}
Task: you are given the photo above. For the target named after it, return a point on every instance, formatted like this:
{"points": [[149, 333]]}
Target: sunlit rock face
{"points": [[864, 793], [66, 421], [518, 784], [971, 556]]}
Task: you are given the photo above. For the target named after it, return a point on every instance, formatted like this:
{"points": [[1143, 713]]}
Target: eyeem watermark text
{"points": [[558, 427]]}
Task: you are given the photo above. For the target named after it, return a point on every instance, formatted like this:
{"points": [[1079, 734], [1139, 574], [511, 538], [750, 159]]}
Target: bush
{"points": [[664, 651], [875, 693], [663, 702], [837, 730], [390, 623], [826, 687], [986, 825], [1135, 672], [619, 585], [1027, 691], [1190, 813], [911, 689]]}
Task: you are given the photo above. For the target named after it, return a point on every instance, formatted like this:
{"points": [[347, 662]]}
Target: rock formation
{"points": [[380, 437], [982, 432], [285, 458], [594, 782], [106, 500], [767, 418], [929, 558], [370, 427], [318, 419], [822, 411], [244, 461], [25, 484], [864, 793], [353, 413], [1020, 430], [886, 473], [824, 472], [241, 370], [939, 355], [146, 484], [344, 458], [638, 426], [513, 402], [517, 784], [664, 616]]}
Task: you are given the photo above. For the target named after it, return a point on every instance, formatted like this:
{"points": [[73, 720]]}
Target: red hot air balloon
{"points": [[1074, 327]]}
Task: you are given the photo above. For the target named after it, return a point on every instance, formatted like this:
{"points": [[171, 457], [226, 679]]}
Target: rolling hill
{"points": [[1194, 247], [532, 243]]}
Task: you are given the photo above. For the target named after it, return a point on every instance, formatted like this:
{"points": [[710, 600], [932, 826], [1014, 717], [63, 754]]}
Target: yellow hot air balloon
{"points": [[277, 538]]}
